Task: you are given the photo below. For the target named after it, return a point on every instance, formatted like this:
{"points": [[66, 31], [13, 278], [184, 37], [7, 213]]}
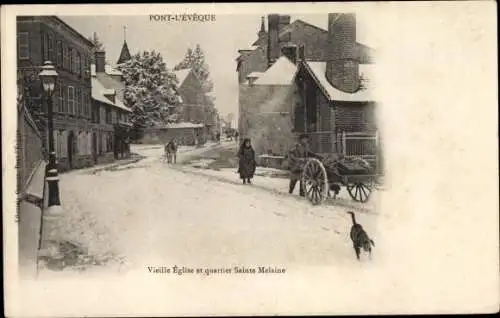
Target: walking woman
{"points": [[247, 162]]}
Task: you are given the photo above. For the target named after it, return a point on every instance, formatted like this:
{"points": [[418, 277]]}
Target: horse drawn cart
{"points": [[322, 175]]}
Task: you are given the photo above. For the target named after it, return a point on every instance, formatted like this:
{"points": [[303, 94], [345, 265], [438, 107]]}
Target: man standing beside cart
{"points": [[298, 156]]}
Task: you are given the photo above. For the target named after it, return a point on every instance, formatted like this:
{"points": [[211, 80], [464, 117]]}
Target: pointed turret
{"points": [[125, 53], [262, 31]]}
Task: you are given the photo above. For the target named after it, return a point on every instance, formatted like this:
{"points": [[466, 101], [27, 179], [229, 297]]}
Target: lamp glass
{"points": [[48, 84], [48, 76]]}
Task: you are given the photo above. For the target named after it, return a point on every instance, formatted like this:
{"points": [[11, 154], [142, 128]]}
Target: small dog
{"points": [[335, 188], [359, 238]]}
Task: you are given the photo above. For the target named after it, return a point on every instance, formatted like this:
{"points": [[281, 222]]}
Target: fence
{"points": [[360, 144], [30, 151], [351, 144]]}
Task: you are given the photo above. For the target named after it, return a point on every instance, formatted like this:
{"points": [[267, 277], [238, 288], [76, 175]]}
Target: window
{"points": [[71, 99], [86, 67], [108, 116], [78, 110], [45, 47], [59, 56], [64, 100], [23, 46], [58, 104], [65, 57], [78, 69], [70, 60], [84, 104], [50, 48]]}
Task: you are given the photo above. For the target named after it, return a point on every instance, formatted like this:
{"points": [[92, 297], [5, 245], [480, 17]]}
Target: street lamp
{"points": [[48, 76]]}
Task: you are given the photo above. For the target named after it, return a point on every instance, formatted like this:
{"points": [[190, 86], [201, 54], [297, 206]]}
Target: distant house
{"points": [[193, 97], [277, 75], [110, 117], [185, 134], [195, 106]]}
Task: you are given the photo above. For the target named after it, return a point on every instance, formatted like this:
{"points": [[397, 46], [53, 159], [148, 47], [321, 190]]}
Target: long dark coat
{"points": [[247, 162]]}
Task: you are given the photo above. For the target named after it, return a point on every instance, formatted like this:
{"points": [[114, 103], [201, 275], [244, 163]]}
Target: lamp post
{"points": [[48, 76]]}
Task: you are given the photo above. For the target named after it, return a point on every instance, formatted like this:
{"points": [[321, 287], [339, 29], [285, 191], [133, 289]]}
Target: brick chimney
{"points": [[100, 61], [342, 66], [276, 23]]}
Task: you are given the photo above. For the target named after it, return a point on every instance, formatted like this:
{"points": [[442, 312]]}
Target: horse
{"points": [[171, 151]]}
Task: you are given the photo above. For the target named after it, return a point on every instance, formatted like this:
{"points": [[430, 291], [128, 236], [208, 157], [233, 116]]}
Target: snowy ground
{"points": [[151, 213]]}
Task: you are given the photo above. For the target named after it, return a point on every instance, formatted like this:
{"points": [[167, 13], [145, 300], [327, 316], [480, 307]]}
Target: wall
{"points": [[29, 148], [265, 117], [314, 40], [355, 117], [254, 61]]}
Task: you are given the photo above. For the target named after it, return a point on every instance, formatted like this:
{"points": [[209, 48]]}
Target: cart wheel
{"points": [[359, 192], [315, 181]]}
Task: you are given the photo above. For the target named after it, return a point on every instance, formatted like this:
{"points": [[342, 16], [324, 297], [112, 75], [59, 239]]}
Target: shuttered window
{"points": [[23, 45]]}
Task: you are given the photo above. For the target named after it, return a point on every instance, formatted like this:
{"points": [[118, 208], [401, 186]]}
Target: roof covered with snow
{"points": [[108, 69], [181, 75], [251, 48], [98, 92], [255, 75], [318, 71], [281, 72]]}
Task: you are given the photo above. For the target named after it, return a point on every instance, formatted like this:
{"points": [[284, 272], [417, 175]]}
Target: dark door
{"points": [[71, 150], [94, 147]]}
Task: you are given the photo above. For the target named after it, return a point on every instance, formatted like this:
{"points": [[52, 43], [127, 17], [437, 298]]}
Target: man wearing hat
{"points": [[297, 156]]}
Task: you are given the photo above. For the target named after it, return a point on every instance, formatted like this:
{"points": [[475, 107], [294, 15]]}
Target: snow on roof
{"points": [[183, 125], [318, 70], [108, 69], [181, 75], [255, 75], [251, 48], [108, 91], [98, 91], [281, 72]]}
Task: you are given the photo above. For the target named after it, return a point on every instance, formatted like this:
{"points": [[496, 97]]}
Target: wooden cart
{"points": [[319, 178]]}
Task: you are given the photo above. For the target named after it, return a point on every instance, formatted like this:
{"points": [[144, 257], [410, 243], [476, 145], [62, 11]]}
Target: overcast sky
{"points": [[220, 41]]}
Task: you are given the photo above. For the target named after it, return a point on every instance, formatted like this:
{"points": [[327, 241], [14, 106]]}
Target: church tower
{"points": [[262, 34], [125, 53]]}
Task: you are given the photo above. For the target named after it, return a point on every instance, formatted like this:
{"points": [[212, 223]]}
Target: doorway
{"points": [[94, 147], [71, 148]]}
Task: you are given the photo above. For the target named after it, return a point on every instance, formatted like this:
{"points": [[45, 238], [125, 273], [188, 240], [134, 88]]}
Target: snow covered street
{"points": [[151, 212]]}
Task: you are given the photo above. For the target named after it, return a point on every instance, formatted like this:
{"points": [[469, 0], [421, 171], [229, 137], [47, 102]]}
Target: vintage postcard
{"points": [[250, 159]]}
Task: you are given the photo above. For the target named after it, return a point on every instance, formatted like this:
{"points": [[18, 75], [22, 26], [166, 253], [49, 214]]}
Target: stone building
{"points": [[48, 38], [272, 74]]}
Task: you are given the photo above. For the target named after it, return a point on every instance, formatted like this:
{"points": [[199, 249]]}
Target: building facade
{"points": [[48, 38], [110, 118]]}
